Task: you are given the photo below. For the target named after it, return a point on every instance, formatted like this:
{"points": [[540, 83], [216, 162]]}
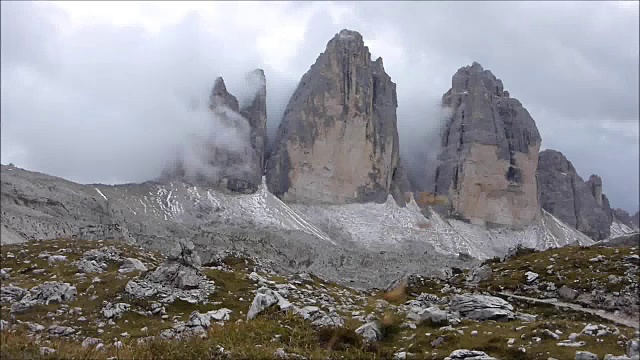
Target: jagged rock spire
{"points": [[338, 140]]}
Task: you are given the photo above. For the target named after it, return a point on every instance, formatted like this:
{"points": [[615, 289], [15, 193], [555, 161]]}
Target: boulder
{"points": [[264, 299], [567, 293], [370, 332], [482, 307], [338, 140], [489, 154], [131, 264]]}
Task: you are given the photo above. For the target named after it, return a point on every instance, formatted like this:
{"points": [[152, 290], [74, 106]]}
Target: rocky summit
{"points": [[232, 165], [338, 140], [576, 202], [317, 246], [489, 152]]}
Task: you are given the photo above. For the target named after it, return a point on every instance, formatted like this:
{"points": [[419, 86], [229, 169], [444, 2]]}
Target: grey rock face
{"points": [[623, 217], [338, 140], [236, 167], [256, 114], [489, 152], [35, 205], [577, 203], [482, 307]]}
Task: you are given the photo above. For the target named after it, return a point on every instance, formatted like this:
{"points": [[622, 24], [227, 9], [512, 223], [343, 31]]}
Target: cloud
{"points": [[100, 94]]}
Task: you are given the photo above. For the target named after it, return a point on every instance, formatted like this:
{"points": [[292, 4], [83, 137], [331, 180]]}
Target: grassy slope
{"points": [[259, 338]]}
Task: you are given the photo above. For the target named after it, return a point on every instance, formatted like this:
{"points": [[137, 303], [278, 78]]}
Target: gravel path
{"points": [[626, 321]]}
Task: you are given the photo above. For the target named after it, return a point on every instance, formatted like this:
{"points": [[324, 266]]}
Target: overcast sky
{"points": [[99, 91]]}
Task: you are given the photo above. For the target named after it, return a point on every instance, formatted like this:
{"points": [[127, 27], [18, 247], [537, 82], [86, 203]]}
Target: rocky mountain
{"points": [[580, 204], [363, 244], [335, 163], [623, 217], [489, 152], [338, 140], [233, 165]]}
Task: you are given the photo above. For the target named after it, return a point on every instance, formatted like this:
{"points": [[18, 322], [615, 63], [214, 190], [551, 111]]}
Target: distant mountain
{"points": [[331, 196]]}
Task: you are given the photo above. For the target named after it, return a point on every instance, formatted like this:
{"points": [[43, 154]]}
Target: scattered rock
{"points": [[599, 330], [57, 330], [11, 294], [114, 311], [90, 341], [567, 293], [46, 351], [463, 354], [531, 276], [265, 298], [131, 264], [56, 258], [479, 274], [49, 292], [585, 355]]}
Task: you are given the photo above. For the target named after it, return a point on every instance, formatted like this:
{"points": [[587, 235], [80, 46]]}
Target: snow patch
{"points": [[101, 194]]}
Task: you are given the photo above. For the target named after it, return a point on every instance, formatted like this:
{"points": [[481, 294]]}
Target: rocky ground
{"points": [[99, 299]]}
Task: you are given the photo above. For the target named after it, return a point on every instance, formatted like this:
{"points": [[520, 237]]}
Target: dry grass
{"points": [[398, 294]]}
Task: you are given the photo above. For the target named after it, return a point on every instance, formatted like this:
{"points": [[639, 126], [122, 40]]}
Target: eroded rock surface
{"points": [[489, 152], [338, 140], [482, 307], [577, 203]]}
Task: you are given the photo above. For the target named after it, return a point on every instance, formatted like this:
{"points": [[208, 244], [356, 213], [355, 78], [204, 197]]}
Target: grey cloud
{"points": [[98, 104]]}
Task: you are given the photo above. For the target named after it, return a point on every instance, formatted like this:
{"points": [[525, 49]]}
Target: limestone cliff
{"points": [[237, 164], [489, 152], [338, 140], [563, 193], [623, 217]]}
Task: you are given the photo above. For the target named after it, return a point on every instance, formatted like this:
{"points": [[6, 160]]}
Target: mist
{"points": [[420, 141], [120, 103]]}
